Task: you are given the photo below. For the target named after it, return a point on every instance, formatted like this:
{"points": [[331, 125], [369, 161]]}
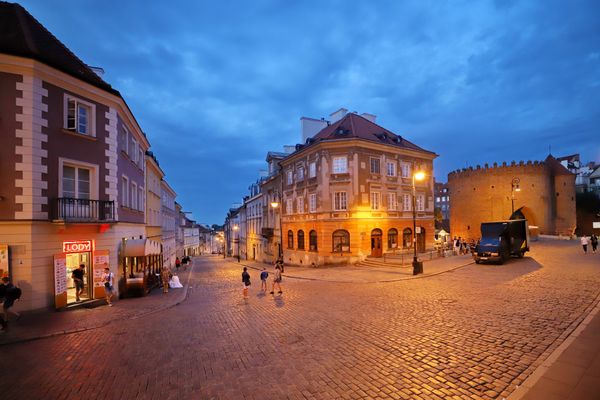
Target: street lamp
{"points": [[514, 188], [417, 266], [275, 205], [236, 228]]}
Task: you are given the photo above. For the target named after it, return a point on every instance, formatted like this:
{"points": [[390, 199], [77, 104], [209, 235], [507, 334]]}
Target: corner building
{"points": [[347, 192]]}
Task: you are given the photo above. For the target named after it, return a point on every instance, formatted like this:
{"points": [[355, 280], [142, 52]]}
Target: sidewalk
{"points": [[48, 323], [572, 370], [366, 274]]}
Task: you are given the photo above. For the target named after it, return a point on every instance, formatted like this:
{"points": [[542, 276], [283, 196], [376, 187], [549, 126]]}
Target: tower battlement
{"points": [[522, 167]]}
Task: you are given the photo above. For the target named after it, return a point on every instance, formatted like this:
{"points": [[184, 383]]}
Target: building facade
{"points": [[348, 192], [170, 224], [154, 177], [542, 191]]}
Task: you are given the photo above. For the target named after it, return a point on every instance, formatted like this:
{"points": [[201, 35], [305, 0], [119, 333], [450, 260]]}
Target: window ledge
{"points": [[80, 135]]}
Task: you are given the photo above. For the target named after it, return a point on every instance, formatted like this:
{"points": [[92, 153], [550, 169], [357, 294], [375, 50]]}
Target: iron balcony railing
{"points": [[84, 210]]}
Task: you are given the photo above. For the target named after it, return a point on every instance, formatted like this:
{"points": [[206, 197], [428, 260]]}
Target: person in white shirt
{"points": [[108, 279], [584, 243]]}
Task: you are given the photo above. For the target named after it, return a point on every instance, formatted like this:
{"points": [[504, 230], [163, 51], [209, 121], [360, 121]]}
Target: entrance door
{"points": [[376, 236], [421, 240], [73, 262]]}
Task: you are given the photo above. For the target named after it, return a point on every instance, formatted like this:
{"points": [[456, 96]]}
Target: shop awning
{"points": [[141, 247], [442, 233]]}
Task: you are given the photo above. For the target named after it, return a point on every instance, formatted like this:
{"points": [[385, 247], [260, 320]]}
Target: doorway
{"points": [[421, 240], [376, 235], [73, 262]]}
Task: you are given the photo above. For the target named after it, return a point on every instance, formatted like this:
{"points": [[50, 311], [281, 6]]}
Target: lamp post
{"points": [[275, 205], [417, 265], [236, 228], [514, 188]]}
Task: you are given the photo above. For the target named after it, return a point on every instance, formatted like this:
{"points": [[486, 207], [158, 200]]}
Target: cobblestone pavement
{"points": [[474, 333]]}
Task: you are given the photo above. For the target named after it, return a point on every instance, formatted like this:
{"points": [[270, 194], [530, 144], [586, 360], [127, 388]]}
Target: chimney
{"points": [[339, 114], [311, 126], [368, 116]]}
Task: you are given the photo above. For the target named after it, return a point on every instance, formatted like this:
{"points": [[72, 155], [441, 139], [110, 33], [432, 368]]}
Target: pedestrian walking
{"points": [[12, 293], [279, 263], [165, 276], [277, 280], [177, 263], [77, 276], [594, 240], [246, 281], [108, 279], [263, 279], [456, 245], [584, 243]]}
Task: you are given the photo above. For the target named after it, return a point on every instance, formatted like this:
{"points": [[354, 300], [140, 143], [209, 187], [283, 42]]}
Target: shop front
{"points": [[78, 273], [142, 262]]}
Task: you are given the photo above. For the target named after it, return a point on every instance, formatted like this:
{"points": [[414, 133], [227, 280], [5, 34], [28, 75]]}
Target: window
{"points": [[340, 165], [300, 205], [125, 141], [300, 173], [405, 170], [134, 151], [393, 238], [300, 240], [375, 200], [375, 165], [312, 202], [75, 182], [406, 237], [141, 199], [312, 170], [290, 240], [339, 201], [420, 202], [312, 240], [391, 201], [141, 158], [438, 199], [407, 206], [290, 177], [391, 168], [79, 116], [341, 241], [134, 197], [125, 191], [289, 206]]}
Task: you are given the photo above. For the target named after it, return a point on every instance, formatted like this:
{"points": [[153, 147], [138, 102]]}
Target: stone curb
{"points": [[571, 334], [381, 281], [176, 302]]}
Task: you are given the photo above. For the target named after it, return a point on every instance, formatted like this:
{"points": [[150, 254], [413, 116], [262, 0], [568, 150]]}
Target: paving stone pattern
{"points": [[474, 333]]}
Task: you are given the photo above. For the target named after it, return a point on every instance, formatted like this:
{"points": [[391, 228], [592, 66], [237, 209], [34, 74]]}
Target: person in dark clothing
{"points": [[77, 276], [2, 294], [246, 281], [594, 240], [11, 294]]}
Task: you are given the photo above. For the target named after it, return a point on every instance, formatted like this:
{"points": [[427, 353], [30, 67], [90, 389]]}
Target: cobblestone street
{"points": [[474, 333]]}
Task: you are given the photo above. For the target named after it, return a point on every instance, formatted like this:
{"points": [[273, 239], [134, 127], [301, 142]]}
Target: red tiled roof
{"points": [[23, 36], [355, 126]]}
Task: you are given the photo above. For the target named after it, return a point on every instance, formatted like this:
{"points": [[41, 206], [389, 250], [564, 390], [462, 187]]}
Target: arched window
{"points": [[300, 240], [393, 238], [312, 240], [407, 237], [341, 241], [290, 240]]}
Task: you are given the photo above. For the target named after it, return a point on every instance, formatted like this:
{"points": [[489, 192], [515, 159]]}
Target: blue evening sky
{"points": [[215, 85]]}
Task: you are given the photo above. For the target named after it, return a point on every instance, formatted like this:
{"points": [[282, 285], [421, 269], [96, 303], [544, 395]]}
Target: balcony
{"points": [[83, 210]]}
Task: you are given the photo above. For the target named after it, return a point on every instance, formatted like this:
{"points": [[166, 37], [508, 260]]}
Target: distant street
{"points": [[472, 333]]}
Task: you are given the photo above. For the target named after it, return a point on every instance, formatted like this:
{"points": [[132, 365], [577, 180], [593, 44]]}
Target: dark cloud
{"points": [[217, 85]]}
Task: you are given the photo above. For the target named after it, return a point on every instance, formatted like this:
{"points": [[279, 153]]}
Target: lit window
{"points": [[392, 203], [340, 202], [375, 200], [312, 202], [391, 168], [312, 170], [375, 165], [340, 165]]}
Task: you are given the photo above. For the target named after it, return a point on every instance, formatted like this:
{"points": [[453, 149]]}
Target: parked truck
{"points": [[502, 239]]}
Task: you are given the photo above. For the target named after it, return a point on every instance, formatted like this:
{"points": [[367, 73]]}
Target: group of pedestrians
{"points": [[460, 246], [264, 276], [585, 241]]}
